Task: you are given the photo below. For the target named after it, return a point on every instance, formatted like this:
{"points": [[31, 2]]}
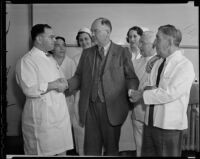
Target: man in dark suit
{"points": [[104, 75]]}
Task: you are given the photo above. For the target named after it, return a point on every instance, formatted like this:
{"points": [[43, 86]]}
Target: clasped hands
{"points": [[136, 95], [61, 84]]}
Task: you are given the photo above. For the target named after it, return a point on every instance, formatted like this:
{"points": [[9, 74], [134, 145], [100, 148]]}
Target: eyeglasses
{"points": [[95, 31]]}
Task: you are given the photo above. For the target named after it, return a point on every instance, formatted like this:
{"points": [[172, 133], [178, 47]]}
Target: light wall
{"points": [[67, 19], [17, 44]]}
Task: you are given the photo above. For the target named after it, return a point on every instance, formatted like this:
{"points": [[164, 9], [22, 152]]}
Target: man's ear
{"points": [[39, 39]]}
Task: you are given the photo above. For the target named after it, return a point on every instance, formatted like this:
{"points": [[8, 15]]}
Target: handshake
{"points": [[136, 95], [60, 85]]}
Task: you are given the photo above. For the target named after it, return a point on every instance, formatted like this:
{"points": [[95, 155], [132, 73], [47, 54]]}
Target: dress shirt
{"points": [[106, 48], [172, 95]]}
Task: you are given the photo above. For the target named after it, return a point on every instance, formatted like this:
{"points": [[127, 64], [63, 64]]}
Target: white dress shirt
{"points": [[172, 95], [106, 48], [46, 123]]}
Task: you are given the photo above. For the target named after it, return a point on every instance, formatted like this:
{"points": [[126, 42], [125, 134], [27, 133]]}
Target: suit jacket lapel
{"points": [[92, 57], [111, 53]]}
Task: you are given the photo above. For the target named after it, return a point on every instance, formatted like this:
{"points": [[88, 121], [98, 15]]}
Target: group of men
{"points": [[109, 85]]}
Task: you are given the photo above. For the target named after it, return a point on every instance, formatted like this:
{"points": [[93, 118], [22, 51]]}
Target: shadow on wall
{"points": [[17, 92], [14, 110]]}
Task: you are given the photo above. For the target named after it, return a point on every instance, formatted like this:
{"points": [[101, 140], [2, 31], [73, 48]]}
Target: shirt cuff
{"points": [[146, 96], [43, 87]]}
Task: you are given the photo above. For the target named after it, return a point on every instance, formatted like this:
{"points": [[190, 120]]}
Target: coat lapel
{"points": [[92, 56]]}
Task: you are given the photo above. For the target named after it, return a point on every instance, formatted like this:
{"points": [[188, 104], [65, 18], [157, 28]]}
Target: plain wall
{"points": [[67, 19], [17, 44]]}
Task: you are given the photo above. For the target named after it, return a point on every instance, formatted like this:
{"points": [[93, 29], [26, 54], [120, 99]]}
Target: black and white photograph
{"points": [[101, 79]]}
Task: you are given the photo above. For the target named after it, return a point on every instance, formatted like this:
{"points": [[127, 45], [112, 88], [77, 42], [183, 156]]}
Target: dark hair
{"points": [[60, 37], [77, 37], [135, 28], [173, 32], [105, 21], [38, 29]]}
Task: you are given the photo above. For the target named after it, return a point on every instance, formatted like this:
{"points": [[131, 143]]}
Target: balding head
{"points": [[149, 36], [146, 43], [101, 29]]}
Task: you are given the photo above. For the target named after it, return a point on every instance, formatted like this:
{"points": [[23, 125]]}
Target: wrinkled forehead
{"points": [[97, 25], [160, 34], [148, 37]]}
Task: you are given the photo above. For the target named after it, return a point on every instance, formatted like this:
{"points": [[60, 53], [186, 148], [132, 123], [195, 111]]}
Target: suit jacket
{"points": [[118, 76]]}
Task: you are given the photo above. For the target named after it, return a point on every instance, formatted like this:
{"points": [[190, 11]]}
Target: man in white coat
{"points": [[46, 124]]}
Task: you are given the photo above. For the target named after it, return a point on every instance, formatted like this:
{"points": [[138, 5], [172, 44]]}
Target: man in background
{"points": [[166, 117], [147, 51]]}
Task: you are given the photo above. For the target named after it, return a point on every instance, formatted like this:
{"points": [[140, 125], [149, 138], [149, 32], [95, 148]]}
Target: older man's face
{"points": [[100, 32], [162, 44], [146, 46]]}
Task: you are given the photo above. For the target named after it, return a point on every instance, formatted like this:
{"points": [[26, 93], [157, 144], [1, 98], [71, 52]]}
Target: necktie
{"points": [[151, 109], [101, 52]]}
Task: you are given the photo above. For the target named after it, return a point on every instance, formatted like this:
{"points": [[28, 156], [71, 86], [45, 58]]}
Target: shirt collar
{"points": [[106, 48], [135, 55], [39, 52], [175, 54]]}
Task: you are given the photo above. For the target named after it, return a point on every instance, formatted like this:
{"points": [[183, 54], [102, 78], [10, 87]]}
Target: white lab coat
{"points": [[46, 124], [172, 95], [68, 68]]}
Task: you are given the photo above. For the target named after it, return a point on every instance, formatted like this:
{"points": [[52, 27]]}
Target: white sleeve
{"points": [[73, 67], [27, 78], [172, 86]]}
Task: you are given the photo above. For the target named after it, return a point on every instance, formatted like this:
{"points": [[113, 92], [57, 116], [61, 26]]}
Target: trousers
{"points": [[99, 133], [161, 142]]}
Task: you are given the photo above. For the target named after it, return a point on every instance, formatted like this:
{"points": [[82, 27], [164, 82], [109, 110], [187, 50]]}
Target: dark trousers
{"points": [[161, 142], [99, 133]]}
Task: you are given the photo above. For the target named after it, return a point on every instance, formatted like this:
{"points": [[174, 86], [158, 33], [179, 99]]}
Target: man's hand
{"points": [[134, 96], [61, 84], [150, 63]]}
